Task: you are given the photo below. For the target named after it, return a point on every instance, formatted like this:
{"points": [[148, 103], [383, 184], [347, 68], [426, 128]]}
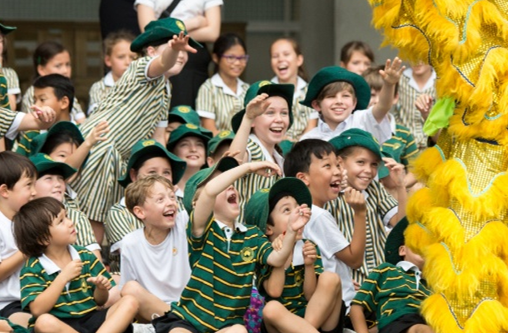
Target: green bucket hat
{"points": [[43, 163], [257, 208], [159, 32], [5, 30], [183, 114], [357, 137], [331, 74], [383, 170], [394, 241], [218, 139], [62, 126], [185, 130], [203, 176], [155, 149], [285, 91]]}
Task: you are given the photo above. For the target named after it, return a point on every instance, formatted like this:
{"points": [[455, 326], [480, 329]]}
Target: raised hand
{"points": [[72, 270], [180, 42], [97, 133], [355, 199], [309, 253], [393, 71], [45, 113], [257, 106], [397, 171], [299, 218], [265, 168]]}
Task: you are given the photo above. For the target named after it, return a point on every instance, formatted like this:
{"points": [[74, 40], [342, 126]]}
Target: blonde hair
{"points": [[114, 38], [137, 192]]}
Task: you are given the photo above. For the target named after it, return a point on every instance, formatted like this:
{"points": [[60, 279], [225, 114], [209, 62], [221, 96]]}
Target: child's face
{"points": [[361, 166], [285, 61], [21, 193], [120, 58], [358, 63], [159, 209], [59, 64], [231, 67], [219, 152], [412, 257], [336, 108], [155, 166], [192, 150], [271, 126], [421, 69], [374, 97], [62, 230], [46, 97], [50, 186], [323, 179], [170, 128], [61, 152], [227, 206], [279, 216]]}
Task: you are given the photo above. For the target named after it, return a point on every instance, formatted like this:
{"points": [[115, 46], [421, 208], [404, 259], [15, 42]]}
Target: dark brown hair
{"points": [[347, 51], [45, 52], [14, 166], [374, 79], [296, 47], [114, 38], [32, 225], [331, 89]]}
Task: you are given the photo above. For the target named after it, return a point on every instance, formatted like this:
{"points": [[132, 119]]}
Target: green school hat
{"points": [[154, 149], [218, 139], [5, 30], [44, 163], [203, 176], [383, 170], [159, 32], [183, 114], [394, 241], [332, 74], [357, 137], [286, 146], [285, 91], [186, 130], [257, 209], [61, 127]]}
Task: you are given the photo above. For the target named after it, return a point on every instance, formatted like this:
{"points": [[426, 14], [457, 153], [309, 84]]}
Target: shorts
{"points": [[91, 322], [170, 321], [403, 323], [11, 308]]}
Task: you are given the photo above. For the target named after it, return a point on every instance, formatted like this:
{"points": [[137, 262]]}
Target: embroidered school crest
{"points": [[223, 134], [148, 143], [180, 25], [183, 109], [264, 83], [84, 285], [298, 279], [191, 126], [247, 254]]}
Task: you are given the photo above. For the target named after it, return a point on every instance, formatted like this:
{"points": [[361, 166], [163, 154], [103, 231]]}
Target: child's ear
{"points": [[304, 177], [315, 105], [40, 70], [107, 61], [133, 175], [342, 64], [215, 58], [64, 103], [210, 161], [402, 250], [139, 212], [355, 102], [299, 60], [150, 51], [269, 230], [4, 191]]}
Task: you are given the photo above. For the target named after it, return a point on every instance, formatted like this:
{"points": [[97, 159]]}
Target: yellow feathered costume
{"points": [[459, 221]]}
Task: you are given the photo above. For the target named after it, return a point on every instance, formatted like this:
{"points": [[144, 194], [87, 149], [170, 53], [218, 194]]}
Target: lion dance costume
{"points": [[458, 222]]}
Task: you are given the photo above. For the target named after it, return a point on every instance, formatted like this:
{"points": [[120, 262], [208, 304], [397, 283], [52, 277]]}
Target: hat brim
{"points": [[67, 170], [151, 38], [395, 240], [174, 139], [5, 30]]}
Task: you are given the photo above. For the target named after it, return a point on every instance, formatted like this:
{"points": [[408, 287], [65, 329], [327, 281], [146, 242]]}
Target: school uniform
{"points": [[12, 80], [9, 287], [402, 145], [85, 234], [4, 96], [223, 263], [217, 101], [9, 123], [98, 92], [135, 106], [301, 113], [76, 299], [381, 207]]}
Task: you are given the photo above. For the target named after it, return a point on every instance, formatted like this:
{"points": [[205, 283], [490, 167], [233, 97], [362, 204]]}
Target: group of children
{"points": [[294, 190]]}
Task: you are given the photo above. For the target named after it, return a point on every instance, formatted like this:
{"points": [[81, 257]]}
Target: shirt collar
{"points": [[300, 86], [70, 192], [108, 80], [122, 202], [407, 266], [50, 267], [409, 73], [278, 157], [218, 82], [238, 226]]}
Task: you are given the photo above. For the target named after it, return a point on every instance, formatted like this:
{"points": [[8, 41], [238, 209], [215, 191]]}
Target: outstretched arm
{"points": [[391, 76], [168, 57]]}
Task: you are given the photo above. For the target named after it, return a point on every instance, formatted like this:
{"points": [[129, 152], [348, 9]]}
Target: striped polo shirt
{"points": [[402, 145], [85, 234], [4, 96], [406, 112], [12, 81], [223, 263], [7, 119], [98, 92], [217, 101], [301, 113], [381, 207], [293, 297], [392, 291], [76, 299], [24, 142]]}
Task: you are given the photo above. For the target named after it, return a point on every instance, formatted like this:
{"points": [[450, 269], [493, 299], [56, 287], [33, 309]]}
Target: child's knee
{"points": [[129, 304], [132, 288], [330, 281], [273, 311], [237, 329], [47, 323]]}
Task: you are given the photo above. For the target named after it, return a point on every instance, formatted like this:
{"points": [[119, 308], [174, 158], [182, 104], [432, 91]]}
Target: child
{"points": [[10, 75], [162, 239], [51, 176], [54, 91], [415, 81], [287, 64], [359, 153], [394, 290], [189, 143], [339, 95], [259, 129], [180, 115], [11, 122], [62, 284], [221, 96], [136, 109], [224, 254], [315, 163], [51, 57], [118, 57], [218, 146], [17, 181], [356, 57], [148, 157], [300, 296]]}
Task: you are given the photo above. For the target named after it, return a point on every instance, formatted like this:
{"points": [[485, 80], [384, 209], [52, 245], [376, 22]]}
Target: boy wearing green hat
{"points": [[218, 146], [394, 290], [259, 129], [341, 97], [180, 115], [136, 109], [359, 153], [293, 290], [223, 251]]}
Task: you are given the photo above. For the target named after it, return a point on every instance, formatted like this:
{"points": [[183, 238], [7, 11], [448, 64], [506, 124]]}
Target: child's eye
{"points": [[285, 113]]}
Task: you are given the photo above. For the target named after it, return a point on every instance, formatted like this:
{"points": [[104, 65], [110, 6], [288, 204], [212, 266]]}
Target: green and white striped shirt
{"points": [[85, 234], [217, 101], [12, 81], [99, 91], [9, 123]]}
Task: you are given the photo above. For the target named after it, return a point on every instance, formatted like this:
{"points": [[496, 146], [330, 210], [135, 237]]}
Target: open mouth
{"points": [[232, 199], [276, 130], [335, 185], [169, 213]]}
